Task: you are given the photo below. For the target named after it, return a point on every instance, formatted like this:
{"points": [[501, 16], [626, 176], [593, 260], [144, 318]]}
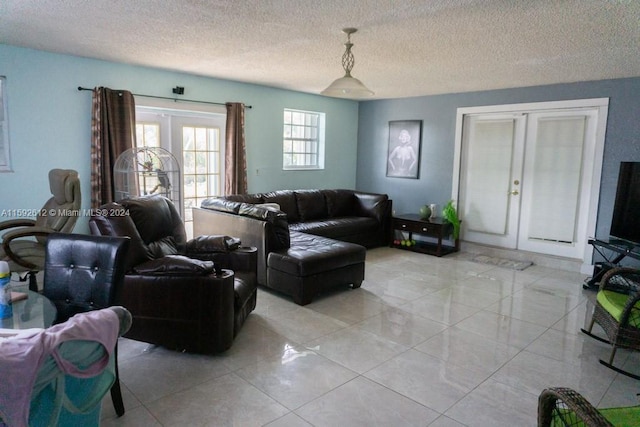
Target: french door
{"points": [[529, 178], [491, 171], [196, 140]]}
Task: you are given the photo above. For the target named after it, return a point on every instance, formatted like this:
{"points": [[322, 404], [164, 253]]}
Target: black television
{"points": [[625, 223]]}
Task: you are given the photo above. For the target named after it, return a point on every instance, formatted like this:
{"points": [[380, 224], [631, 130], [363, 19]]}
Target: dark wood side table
{"points": [[436, 228]]}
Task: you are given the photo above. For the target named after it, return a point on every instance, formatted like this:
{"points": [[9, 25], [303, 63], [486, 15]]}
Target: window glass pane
{"points": [[201, 162], [189, 162], [147, 134], [189, 186], [214, 162], [152, 135], [213, 140], [188, 213], [201, 139], [201, 186], [188, 142], [139, 134], [214, 184]]}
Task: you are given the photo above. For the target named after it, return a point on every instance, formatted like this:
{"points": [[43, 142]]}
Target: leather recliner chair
{"points": [[185, 295]]}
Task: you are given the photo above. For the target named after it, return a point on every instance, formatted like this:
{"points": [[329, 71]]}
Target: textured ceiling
{"points": [[402, 48]]}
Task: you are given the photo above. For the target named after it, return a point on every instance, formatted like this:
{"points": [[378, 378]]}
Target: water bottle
{"points": [[6, 310]]}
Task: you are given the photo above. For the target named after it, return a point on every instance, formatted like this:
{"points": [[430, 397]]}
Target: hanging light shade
{"points": [[347, 86]]}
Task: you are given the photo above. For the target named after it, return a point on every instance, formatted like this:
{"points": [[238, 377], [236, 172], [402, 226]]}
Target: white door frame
{"points": [[601, 104]]}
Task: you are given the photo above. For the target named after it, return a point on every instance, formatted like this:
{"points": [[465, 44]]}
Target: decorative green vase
{"points": [[425, 212]]}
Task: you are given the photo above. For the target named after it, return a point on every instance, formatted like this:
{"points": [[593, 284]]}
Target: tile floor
{"points": [[425, 341]]}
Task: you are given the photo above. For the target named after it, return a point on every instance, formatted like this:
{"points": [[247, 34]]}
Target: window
{"points": [[195, 140], [303, 140], [5, 164]]}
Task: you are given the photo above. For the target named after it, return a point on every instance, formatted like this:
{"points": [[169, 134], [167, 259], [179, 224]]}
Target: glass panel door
{"points": [[490, 171], [556, 182]]}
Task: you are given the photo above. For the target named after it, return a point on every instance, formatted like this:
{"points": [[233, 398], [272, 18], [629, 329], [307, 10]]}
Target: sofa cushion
{"points": [[245, 198], [222, 205], [340, 203], [212, 243], [338, 227], [174, 265], [157, 221], [614, 303], [271, 206], [287, 201], [370, 204], [311, 205], [311, 254], [162, 247]]}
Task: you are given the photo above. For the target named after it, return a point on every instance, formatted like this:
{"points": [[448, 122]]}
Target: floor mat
{"points": [[502, 262]]}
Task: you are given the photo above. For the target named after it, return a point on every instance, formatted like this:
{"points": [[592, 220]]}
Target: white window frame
{"points": [[312, 145], [5, 154]]}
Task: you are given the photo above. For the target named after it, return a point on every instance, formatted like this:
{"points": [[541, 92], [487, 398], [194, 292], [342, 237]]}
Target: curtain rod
{"points": [[171, 99]]}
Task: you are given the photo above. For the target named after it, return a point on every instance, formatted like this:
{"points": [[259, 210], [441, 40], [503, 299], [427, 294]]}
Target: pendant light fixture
{"points": [[347, 86]]}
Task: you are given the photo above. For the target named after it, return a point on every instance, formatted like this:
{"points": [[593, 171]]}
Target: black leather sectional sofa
{"points": [[307, 240]]}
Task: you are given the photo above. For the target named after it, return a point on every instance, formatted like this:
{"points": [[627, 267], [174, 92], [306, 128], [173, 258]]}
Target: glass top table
{"points": [[36, 311]]}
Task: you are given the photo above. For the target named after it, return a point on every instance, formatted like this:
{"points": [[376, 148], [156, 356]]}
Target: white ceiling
{"points": [[402, 48]]}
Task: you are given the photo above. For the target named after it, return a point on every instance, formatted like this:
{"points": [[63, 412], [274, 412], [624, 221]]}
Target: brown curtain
{"points": [[113, 130], [235, 159]]}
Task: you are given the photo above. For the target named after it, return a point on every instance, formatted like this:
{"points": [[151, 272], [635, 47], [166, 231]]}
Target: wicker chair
{"points": [[565, 407], [617, 311]]}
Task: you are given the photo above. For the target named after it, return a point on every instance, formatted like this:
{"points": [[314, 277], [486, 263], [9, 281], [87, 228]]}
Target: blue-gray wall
{"points": [[438, 114], [50, 122]]}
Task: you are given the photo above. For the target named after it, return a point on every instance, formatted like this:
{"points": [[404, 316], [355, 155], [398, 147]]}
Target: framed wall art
{"points": [[403, 155]]}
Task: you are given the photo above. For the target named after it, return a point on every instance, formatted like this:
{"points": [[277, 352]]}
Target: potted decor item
{"points": [[425, 212], [449, 213], [432, 206]]}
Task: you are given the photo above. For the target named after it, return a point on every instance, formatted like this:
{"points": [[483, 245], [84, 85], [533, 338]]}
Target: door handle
{"points": [[514, 192]]}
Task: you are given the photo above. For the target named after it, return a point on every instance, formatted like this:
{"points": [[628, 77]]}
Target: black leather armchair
{"points": [[186, 295]]}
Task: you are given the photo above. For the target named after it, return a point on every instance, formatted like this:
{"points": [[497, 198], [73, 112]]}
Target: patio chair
{"points": [[617, 311], [565, 407]]}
